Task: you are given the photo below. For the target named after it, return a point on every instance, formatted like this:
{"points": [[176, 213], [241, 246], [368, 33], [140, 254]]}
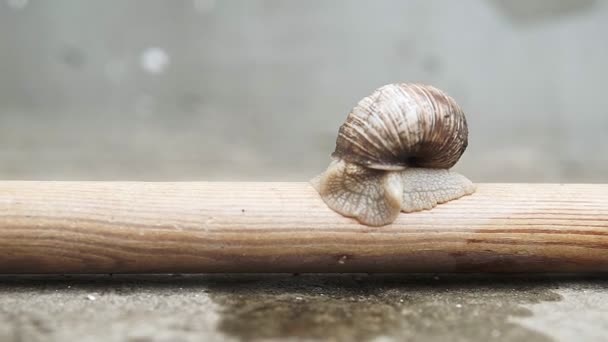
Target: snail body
{"points": [[393, 154]]}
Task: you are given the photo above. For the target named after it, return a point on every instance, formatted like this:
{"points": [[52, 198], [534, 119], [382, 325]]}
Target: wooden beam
{"points": [[134, 227]]}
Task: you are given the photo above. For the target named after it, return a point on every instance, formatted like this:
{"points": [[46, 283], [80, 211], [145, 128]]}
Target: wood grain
{"points": [[122, 227]]}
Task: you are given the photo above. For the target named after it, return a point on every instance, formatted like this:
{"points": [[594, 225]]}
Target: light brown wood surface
{"points": [[122, 227]]}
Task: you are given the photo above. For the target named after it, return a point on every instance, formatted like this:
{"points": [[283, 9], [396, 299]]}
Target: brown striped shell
{"points": [[403, 125]]}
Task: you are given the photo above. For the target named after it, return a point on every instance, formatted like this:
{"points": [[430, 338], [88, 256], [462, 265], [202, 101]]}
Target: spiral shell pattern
{"points": [[404, 125]]}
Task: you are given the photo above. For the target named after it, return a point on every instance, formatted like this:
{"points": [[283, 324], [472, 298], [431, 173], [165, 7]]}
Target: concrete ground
{"points": [[303, 307]]}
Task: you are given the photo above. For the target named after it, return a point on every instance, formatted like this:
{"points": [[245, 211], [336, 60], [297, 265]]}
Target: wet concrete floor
{"points": [[354, 307]]}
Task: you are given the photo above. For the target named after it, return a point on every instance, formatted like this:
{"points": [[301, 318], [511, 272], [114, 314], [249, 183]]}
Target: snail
{"points": [[393, 154]]}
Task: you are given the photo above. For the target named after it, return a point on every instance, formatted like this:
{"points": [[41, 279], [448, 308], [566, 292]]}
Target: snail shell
{"points": [[403, 125], [393, 154]]}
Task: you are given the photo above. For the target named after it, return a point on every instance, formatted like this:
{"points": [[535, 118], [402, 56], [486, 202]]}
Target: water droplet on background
{"points": [[154, 60]]}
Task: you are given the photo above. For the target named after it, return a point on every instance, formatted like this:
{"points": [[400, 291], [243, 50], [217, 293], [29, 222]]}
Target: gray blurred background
{"points": [[256, 90]]}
